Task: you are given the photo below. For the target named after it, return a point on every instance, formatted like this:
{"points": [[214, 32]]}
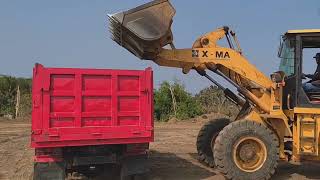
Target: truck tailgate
{"points": [[74, 107]]}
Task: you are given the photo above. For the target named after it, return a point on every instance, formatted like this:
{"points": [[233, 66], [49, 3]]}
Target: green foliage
{"points": [[7, 95], [212, 99], [8, 91], [208, 100], [25, 105], [186, 105]]}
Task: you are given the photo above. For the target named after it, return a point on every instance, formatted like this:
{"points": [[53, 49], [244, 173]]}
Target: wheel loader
{"points": [[278, 120]]}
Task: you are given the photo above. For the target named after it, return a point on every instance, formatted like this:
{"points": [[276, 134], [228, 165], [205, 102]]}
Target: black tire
{"points": [[225, 146], [49, 171], [136, 177], [207, 134]]}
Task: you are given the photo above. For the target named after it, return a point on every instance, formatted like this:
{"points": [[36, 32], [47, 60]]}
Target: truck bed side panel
{"points": [[73, 107]]}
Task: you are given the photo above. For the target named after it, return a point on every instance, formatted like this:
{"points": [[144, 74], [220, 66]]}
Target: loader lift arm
{"points": [[146, 30], [226, 62]]}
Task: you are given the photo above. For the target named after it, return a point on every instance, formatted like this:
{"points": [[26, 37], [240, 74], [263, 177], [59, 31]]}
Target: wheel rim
{"points": [[249, 154]]}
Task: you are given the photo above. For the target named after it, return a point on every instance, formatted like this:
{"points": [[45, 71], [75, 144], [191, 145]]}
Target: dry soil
{"points": [[173, 154]]}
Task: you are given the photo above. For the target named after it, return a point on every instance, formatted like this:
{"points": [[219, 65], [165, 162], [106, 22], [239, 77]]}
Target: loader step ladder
{"points": [[308, 137]]}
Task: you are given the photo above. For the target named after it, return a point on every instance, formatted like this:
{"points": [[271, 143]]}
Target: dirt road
{"points": [[15, 153], [173, 155]]}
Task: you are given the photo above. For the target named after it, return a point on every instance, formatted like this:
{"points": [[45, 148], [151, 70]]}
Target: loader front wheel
{"points": [[246, 150], [206, 138]]}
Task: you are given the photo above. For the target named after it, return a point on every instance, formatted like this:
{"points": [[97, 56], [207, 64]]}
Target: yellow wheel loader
{"points": [[278, 120]]}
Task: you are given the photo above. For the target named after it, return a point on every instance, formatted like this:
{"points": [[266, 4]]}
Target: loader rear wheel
{"points": [[206, 138], [246, 150]]}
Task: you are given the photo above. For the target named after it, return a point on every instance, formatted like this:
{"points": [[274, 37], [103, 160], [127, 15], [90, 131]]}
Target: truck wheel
{"points": [[206, 138], [136, 177], [246, 150], [49, 171]]}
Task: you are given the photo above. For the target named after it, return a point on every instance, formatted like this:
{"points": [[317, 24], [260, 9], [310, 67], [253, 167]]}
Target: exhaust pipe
{"points": [[143, 30]]}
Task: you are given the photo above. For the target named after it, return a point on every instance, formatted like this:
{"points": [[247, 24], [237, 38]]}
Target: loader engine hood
{"points": [[143, 30]]}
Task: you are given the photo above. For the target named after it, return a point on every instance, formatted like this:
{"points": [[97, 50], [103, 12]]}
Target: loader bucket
{"points": [[143, 30]]}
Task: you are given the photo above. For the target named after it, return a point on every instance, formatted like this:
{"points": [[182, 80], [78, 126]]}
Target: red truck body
{"points": [[90, 107], [75, 107]]}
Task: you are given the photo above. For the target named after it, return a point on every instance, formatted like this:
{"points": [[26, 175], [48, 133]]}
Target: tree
{"points": [[212, 99], [8, 91], [7, 95], [167, 95]]}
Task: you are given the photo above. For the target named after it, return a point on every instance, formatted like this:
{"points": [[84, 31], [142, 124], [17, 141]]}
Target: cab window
{"points": [[286, 53]]}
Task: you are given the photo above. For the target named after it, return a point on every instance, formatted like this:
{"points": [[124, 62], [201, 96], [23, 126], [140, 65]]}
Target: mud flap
{"points": [[134, 165], [49, 171]]}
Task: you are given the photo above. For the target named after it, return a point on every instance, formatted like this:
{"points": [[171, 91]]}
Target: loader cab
{"points": [[296, 51]]}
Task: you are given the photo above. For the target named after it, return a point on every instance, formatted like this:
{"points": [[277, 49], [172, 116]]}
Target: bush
{"points": [[212, 99], [8, 95], [167, 95], [25, 105]]}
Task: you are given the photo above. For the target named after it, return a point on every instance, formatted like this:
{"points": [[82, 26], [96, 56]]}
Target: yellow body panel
{"points": [[303, 31], [300, 110], [306, 135]]}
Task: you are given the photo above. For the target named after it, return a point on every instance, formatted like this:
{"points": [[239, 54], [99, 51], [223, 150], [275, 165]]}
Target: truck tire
{"points": [[206, 139], [135, 167], [246, 150], [49, 171], [136, 177]]}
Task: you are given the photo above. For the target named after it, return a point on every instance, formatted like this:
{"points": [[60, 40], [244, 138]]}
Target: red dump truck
{"points": [[83, 119]]}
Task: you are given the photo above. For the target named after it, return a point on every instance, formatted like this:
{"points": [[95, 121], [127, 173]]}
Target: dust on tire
{"points": [[206, 134], [228, 137]]}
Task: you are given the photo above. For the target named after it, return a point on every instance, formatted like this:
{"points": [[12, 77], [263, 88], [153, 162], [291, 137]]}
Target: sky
{"points": [[74, 33]]}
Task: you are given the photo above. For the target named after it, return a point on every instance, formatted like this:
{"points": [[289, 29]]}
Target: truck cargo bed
{"points": [[75, 107]]}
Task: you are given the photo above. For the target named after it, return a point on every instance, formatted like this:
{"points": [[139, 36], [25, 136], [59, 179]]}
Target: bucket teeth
{"points": [[115, 30], [121, 36], [143, 30]]}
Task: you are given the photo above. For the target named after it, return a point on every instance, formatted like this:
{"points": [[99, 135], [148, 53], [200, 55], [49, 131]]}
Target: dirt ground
{"points": [[173, 154]]}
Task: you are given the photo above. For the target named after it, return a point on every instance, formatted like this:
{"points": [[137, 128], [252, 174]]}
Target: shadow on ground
{"points": [[304, 171], [170, 166], [166, 166]]}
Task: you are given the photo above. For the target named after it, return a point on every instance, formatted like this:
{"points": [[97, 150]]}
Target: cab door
{"points": [[306, 112], [289, 64]]}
